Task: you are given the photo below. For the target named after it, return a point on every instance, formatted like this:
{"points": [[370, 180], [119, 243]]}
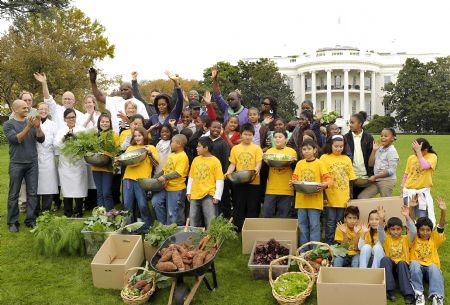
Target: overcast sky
{"points": [[187, 36]]}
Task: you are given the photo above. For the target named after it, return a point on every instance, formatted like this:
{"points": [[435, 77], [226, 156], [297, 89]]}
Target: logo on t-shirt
{"points": [[245, 160]]}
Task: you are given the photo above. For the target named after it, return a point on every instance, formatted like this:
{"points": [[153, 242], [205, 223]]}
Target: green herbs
{"points": [[102, 221], [324, 252], [220, 229], [328, 117], [158, 233], [55, 235], [88, 143], [291, 284]]}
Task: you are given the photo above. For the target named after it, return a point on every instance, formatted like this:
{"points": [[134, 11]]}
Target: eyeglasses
{"points": [[266, 104]]}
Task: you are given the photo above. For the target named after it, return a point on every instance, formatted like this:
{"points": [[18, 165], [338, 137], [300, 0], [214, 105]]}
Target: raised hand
{"points": [[319, 115], [37, 121], [92, 75], [381, 212], [376, 146], [185, 97], [357, 228], [341, 226], [207, 98], [365, 228], [172, 122], [214, 72], [40, 77], [414, 201], [416, 146], [268, 120], [134, 75], [405, 211], [441, 204]]}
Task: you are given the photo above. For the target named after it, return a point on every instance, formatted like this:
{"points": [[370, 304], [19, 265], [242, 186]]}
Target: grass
{"points": [[28, 278]]}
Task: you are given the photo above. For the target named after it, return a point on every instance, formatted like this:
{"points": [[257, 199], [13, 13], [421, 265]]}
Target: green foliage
{"points": [[11, 9], [420, 97], [54, 235], [220, 229], [378, 123], [255, 80], [3, 139], [102, 221], [328, 117], [324, 252], [291, 284], [158, 233], [88, 143]]}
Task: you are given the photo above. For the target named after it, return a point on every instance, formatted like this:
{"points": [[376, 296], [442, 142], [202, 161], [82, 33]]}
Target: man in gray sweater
{"points": [[22, 134]]}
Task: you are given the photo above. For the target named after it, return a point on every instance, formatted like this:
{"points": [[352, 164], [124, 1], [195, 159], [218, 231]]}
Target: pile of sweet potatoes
{"points": [[184, 257], [141, 287]]}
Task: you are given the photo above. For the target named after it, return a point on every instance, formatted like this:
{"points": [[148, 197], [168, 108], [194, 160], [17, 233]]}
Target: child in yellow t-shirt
{"points": [[424, 257], [417, 179], [279, 194], [169, 203], [246, 156], [348, 233], [396, 249], [131, 189], [340, 166], [205, 184], [310, 206], [369, 246]]}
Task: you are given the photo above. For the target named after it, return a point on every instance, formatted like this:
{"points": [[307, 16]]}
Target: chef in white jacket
{"points": [[48, 175], [72, 173]]}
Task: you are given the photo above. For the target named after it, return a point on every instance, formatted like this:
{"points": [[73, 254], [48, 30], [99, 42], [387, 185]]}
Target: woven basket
{"points": [[300, 298], [138, 299], [305, 254]]}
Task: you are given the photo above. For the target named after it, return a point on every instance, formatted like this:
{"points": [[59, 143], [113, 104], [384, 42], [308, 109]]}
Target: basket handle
{"points": [[316, 243], [280, 259]]}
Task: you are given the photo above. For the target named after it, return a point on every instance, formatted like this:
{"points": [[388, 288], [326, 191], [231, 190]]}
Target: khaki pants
{"points": [[384, 187]]}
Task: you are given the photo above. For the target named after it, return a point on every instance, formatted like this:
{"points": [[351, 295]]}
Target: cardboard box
{"points": [[392, 205], [117, 254], [266, 228], [261, 272], [351, 286]]}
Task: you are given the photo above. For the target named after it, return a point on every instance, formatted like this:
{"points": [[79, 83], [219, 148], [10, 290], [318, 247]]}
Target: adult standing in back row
{"points": [[22, 134], [234, 106]]}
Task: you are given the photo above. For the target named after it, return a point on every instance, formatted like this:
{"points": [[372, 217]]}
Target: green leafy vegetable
{"points": [[220, 229], [158, 233], [291, 284], [102, 221], [88, 143], [324, 252]]}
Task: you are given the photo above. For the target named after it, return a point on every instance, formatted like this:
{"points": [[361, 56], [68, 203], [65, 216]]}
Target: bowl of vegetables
{"points": [[278, 160], [97, 159], [150, 184], [132, 158], [240, 177], [306, 187]]}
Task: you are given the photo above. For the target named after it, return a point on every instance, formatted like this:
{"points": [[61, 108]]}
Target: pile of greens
{"points": [[328, 117], [220, 229], [88, 143], [112, 221], [158, 233], [278, 157], [54, 235], [291, 284]]}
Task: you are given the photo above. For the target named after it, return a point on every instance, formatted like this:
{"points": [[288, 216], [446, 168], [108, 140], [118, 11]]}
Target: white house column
{"points": [[346, 105], [362, 102], [302, 88], [373, 95], [313, 88], [329, 90]]}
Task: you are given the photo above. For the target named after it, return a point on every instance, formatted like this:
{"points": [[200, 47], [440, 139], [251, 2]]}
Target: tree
{"points": [[255, 80], [15, 8], [378, 123], [165, 85], [63, 46], [421, 96]]}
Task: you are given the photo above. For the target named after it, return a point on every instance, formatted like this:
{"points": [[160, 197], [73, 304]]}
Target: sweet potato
{"points": [[166, 266], [187, 267], [191, 254], [182, 250], [146, 288], [198, 259], [177, 260], [187, 261], [167, 256], [140, 284]]}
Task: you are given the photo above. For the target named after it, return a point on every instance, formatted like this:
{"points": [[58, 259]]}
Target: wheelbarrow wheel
{"points": [[181, 292]]}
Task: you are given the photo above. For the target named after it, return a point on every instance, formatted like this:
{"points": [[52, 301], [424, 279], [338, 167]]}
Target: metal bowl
{"points": [[241, 177], [150, 184], [97, 160], [306, 187], [271, 160], [132, 158]]}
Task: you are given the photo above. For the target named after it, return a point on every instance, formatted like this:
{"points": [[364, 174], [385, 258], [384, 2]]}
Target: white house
{"points": [[344, 79]]}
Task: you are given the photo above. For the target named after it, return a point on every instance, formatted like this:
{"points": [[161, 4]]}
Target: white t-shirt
{"points": [[57, 113], [116, 103]]}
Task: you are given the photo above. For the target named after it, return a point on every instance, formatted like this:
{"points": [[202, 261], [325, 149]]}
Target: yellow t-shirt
{"points": [[310, 171], [339, 237], [245, 157], [417, 177], [278, 181], [107, 168], [123, 135], [143, 169], [397, 249], [341, 170], [177, 162], [205, 172], [425, 251], [368, 240]]}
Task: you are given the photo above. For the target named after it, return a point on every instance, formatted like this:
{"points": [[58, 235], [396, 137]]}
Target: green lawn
{"points": [[28, 278]]}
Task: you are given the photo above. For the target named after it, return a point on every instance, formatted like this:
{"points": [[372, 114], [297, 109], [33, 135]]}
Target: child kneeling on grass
{"points": [[396, 249], [205, 184], [169, 203], [348, 233], [424, 257]]}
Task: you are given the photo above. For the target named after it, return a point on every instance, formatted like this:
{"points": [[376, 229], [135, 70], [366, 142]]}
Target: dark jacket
{"points": [[366, 147], [137, 94], [221, 151]]}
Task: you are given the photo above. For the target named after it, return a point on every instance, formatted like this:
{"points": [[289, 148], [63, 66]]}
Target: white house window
{"points": [[337, 106], [367, 83], [337, 82], [292, 60], [308, 84], [387, 79], [336, 53], [353, 106]]}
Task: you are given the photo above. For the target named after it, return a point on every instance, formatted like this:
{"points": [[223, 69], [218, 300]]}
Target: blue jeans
{"points": [[430, 273], [203, 208], [131, 191], [169, 206], [366, 253], [332, 216], [309, 225], [18, 172], [103, 183], [401, 270], [348, 260]]}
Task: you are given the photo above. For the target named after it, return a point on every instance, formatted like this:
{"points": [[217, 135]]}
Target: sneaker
{"points": [[391, 295], [420, 299], [437, 300], [31, 225], [409, 299], [13, 228]]}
